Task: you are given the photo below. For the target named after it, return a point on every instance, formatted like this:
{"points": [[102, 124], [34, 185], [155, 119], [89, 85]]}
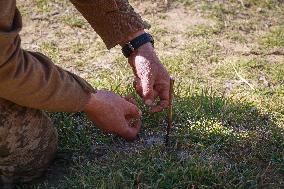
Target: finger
{"points": [[129, 133], [139, 91], [132, 111], [164, 100], [156, 94], [147, 90], [138, 87], [133, 122], [130, 99], [162, 105]]}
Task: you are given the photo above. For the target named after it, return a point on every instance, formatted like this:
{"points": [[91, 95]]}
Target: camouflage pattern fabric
{"points": [[28, 142]]}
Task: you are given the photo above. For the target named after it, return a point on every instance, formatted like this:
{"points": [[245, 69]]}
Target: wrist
{"points": [[131, 37], [147, 47], [131, 46], [91, 103]]}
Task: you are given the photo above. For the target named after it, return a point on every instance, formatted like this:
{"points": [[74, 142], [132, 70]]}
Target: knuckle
{"points": [[132, 107]]}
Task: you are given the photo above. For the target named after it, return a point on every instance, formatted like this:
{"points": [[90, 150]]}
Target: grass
{"points": [[203, 30], [43, 6], [73, 21], [274, 38], [226, 134]]}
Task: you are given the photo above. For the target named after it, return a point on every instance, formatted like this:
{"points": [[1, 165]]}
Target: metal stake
{"points": [[170, 111]]}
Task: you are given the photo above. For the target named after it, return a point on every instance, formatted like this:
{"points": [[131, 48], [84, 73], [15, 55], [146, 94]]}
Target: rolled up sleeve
{"points": [[32, 80], [113, 20]]}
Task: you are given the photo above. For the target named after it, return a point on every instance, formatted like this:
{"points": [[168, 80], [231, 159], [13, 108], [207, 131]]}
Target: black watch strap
{"points": [[131, 46]]}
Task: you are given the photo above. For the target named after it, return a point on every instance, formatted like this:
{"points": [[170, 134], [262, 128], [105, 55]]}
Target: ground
{"points": [[227, 58]]}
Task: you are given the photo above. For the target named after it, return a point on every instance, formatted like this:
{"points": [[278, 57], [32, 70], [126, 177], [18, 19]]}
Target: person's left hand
{"points": [[114, 114], [151, 77]]}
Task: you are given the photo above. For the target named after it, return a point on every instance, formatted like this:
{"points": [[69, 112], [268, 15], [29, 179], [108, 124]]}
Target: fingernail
{"points": [[140, 112], [148, 102]]}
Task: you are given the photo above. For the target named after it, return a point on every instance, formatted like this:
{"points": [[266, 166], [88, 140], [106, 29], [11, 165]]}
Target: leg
{"points": [[28, 142]]}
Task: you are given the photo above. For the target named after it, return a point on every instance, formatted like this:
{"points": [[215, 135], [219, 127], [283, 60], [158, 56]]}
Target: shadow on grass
{"points": [[237, 131], [216, 142], [206, 118]]}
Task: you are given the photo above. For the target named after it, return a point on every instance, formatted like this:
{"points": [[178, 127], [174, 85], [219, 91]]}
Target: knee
{"points": [[28, 142]]}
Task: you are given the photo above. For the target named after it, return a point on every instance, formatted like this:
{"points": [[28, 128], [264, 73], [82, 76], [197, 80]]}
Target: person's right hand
{"points": [[114, 114]]}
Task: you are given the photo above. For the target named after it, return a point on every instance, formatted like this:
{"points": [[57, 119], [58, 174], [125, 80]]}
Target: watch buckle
{"points": [[130, 46]]}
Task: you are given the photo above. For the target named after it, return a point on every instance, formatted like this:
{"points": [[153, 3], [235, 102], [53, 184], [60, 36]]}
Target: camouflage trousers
{"points": [[28, 142]]}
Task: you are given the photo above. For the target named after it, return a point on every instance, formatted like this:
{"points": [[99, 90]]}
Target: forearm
{"points": [[113, 20], [31, 80]]}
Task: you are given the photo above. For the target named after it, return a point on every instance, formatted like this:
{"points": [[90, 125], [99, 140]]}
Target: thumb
{"points": [[147, 90]]}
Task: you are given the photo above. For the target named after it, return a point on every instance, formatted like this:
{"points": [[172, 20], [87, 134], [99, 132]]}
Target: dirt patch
{"points": [[179, 19], [170, 23], [231, 47]]}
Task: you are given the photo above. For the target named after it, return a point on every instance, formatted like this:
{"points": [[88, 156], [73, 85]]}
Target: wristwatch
{"points": [[137, 42]]}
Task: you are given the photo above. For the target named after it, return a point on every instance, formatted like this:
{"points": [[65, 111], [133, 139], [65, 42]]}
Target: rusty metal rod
{"points": [[170, 110]]}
